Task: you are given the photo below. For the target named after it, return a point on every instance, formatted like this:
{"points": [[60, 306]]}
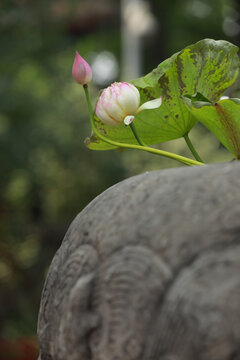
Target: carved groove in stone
{"points": [[125, 297], [201, 309], [70, 287]]}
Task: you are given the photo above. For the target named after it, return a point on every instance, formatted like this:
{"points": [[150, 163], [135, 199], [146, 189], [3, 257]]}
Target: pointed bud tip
{"points": [[81, 70]]}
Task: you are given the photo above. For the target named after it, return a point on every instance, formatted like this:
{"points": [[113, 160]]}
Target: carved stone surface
{"points": [[149, 270]]}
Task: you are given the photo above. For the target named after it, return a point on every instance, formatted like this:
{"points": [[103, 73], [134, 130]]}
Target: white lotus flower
{"points": [[120, 103]]}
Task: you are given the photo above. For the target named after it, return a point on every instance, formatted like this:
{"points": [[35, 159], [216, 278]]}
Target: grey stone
{"points": [[149, 270]]}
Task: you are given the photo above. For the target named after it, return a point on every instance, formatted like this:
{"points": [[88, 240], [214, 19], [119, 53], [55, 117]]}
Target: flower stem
{"points": [[167, 154], [139, 140], [192, 148]]}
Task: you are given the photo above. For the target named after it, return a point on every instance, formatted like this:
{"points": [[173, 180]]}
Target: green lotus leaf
{"points": [[221, 118], [208, 67]]}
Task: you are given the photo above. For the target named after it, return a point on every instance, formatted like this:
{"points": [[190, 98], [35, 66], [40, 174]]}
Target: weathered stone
{"points": [[149, 270]]}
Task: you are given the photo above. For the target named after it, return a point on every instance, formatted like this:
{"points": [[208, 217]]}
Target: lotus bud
{"points": [[81, 71], [120, 103]]}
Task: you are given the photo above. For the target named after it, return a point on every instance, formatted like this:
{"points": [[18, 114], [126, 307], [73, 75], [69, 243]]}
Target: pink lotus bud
{"points": [[120, 103], [81, 71]]}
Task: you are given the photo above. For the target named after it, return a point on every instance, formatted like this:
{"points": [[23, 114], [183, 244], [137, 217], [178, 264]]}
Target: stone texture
{"points": [[149, 270]]}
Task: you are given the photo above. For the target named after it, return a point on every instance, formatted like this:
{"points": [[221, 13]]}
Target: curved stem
{"points": [[167, 154], [134, 130], [192, 148]]}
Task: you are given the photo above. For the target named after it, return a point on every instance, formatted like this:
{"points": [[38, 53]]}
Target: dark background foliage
{"points": [[47, 174]]}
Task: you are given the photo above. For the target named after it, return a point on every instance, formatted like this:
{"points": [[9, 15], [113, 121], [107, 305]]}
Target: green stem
{"points": [[192, 148], [134, 130], [167, 154]]}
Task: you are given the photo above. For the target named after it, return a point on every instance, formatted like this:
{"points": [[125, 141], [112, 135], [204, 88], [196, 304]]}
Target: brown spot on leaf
{"points": [[164, 84], [147, 93], [231, 129], [193, 56], [179, 64]]}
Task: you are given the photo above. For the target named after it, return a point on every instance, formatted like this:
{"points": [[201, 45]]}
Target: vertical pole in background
{"points": [[137, 22], [131, 41]]}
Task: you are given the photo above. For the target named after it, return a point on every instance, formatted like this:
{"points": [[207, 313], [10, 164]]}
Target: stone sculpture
{"points": [[149, 270]]}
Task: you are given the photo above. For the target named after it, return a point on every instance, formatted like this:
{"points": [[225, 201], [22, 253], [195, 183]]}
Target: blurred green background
{"points": [[47, 174]]}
